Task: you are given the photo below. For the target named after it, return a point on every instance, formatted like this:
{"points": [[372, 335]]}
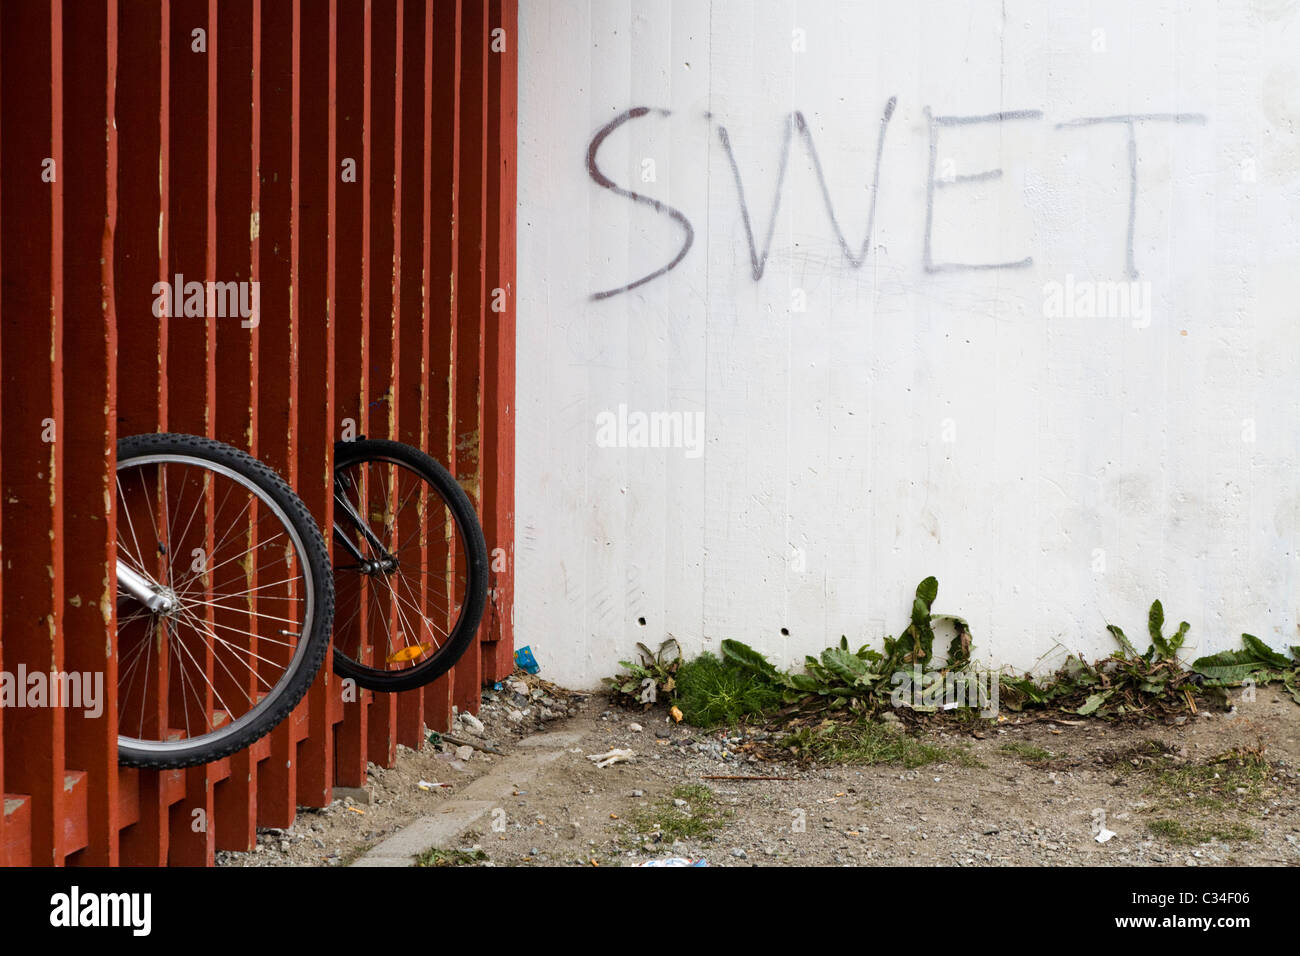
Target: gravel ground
{"points": [[1025, 791]]}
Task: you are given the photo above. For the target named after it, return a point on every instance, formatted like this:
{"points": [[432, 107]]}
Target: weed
{"points": [[646, 680], [869, 742], [1255, 662], [1182, 834], [861, 680], [1026, 752], [667, 821], [436, 856], [1126, 683], [712, 692], [744, 684], [1236, 779]]}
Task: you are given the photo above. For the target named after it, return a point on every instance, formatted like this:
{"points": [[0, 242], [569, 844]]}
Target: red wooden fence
{"points": [[140, 139]]}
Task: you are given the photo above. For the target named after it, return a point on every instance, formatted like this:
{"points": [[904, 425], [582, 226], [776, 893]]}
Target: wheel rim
{"points": [[408, 595], [212, 663]]}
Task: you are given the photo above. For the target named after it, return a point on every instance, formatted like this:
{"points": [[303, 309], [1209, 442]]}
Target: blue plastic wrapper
{"points": [[524, 659]]}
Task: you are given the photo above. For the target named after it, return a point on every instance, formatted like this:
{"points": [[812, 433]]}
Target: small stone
{"points": [[515, 716], [635, 728], [472, 724], [740, 854], [464, 753]]}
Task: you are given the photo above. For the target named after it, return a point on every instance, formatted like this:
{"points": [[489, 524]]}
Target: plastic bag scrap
{"points": [[524, 659], [675, 861]]}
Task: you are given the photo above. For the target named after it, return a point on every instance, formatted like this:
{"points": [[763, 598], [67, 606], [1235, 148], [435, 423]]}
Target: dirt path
{"points": [[1028, 792]]}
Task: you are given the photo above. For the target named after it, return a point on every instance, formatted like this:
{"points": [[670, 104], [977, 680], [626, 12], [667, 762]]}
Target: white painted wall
{"points": [[1094, 463]]}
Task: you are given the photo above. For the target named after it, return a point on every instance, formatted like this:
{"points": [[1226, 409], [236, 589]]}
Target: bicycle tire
{"points": [[350, 453], [309, 544]]}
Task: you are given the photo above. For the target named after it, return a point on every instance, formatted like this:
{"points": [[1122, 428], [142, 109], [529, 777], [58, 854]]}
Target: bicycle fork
{"points": [[136, 585], [344, 507]]}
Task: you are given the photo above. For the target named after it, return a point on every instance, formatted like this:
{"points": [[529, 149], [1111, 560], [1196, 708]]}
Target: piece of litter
{"points": [[675, 861], [524, 659], [1103, 835], [611, 757], [676, 712], [357, 810], [430, 785]]}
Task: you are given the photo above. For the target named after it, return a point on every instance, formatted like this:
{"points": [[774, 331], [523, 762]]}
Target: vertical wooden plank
{"points": [[317, 173], [278, 399], [191, 388], [32, 240], [89, 431], [497, 629], [471, 296], [237, 228], [193, 355], [411, 339], [352, 282], [442, 251], [383, 253], [144, 224]]}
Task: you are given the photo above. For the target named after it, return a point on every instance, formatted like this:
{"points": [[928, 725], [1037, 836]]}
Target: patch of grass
{"points": [[1138, 755], [713, 692], [436, 856], [1233, 779], [697, 819], [869, 742], [1026, 752], [1182, 834]]}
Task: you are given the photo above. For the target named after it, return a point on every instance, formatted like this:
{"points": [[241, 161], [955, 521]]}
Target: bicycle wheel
{"points": [[410, 566], [225, 600]]}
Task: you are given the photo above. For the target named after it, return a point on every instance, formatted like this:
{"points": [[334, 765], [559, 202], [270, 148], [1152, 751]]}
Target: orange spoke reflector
{"points": [[409, 653]]}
